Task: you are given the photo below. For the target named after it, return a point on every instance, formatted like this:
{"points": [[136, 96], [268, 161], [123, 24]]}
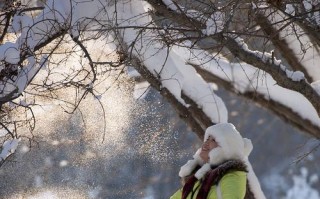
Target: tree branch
{"points": [[249, 57], [281, 45], [184, 113], [274, 70], [277, 108]]}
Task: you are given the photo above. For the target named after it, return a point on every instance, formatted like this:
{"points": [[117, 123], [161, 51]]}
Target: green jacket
{"points": [[232, 186]]}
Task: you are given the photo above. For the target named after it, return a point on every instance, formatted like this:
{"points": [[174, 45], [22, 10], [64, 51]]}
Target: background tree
{"points": [[265, 51]]}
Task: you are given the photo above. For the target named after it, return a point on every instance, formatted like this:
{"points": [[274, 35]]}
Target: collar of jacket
{"points": [[218, 171], [215, 174]]}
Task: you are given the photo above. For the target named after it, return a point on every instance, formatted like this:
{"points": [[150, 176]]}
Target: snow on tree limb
{"points": [[173, 73], [263, 61], [299, 45], [180, 108], [282, 110], [57, 18], [171, 76], [278, 73], [266, 63], [282, 45]]}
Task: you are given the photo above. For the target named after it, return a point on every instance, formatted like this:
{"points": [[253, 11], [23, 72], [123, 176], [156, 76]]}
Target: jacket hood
{"points": [[231, 147]]}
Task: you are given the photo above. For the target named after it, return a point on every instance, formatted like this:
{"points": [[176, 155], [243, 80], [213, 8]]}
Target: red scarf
{"points": [[212, 178], [205, 185]]}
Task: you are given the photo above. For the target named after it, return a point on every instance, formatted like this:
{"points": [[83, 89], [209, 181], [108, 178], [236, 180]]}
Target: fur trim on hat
{"points": [[187, 169], [203, 170], [231, 144]]}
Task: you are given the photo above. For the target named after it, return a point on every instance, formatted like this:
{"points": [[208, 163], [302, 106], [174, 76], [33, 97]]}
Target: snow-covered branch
{"points": [[282, 45], [279, 73], [267, 101], [261, 60], [184, 112], [298, 45]]}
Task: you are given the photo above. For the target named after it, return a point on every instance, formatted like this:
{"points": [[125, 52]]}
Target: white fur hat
{"points": [[231, 146]]}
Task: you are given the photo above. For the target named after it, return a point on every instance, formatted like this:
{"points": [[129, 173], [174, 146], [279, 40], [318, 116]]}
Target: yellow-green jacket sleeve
{"points": [[233, 185], [177, 195]]}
